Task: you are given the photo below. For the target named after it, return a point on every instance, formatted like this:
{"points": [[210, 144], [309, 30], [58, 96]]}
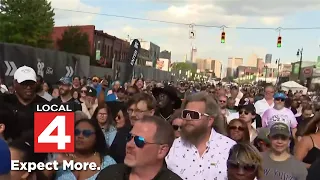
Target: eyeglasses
{"points": [[139, 141], [222, 101], [191, 114], [246, 168], [211, 92], [103, 114], [83, 91], [239, 128], [245, 112], [86, 132], [279, 99], [176, 127]]}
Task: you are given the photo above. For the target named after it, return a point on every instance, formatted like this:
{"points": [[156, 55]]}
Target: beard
{"points": [[278, 106], [194, 135]]}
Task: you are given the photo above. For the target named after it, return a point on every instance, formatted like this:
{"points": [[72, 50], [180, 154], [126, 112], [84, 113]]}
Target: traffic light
{"points": [[223, 37], [279, 42]]}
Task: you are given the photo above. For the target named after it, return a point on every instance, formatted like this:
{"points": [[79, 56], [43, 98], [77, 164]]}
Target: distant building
{"points": [[165, 54], [268, 58], [154, 51], [233, 63], [252, 60]]}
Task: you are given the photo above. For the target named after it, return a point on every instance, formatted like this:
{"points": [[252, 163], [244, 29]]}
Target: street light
{"points": [[299, 53]]}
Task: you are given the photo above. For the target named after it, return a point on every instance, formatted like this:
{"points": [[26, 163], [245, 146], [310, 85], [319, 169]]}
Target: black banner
{"points": [[50, 64], [133, 55]]}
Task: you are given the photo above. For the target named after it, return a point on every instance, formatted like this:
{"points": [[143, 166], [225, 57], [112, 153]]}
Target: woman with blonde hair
{"points": [[308, 148], [244, 162]]}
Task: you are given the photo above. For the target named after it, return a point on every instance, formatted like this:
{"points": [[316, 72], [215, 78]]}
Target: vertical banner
{"points": [[133, 55]]}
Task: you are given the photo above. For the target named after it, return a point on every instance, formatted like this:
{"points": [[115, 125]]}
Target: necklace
{"points": [[164, 117]]}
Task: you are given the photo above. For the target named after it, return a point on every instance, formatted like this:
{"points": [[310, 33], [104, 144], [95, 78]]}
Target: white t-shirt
{"points": [[262, 105]]}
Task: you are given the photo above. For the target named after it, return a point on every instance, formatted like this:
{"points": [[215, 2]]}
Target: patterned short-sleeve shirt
{"points": [[185, 160]]}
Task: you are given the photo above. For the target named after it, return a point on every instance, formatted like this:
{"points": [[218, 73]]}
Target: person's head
{"points": [[95, 81], [223, 101], [83, 81], [83, 92], [262, 142], [75, 95], [5, 164], [234, 91], [247, 113], [305, 100], [279, 100], [78, 115], [122, 118], [231, 102], [24, 83], [76, 81], [131, 90], [91, 96], [238, 131], [45, 87], [55, 92], [139, 83], [116, 86], [89, 138], [307, 111], [199, 112], [103, 116], [269, 91], [313, 125], [279, 137], [39, 83], [140, 105], [176, 122], [148, 142], [244, 162], [65, 86]]}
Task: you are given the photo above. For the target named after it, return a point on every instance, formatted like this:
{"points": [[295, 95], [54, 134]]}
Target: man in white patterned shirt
{"points": [[200, 153]]}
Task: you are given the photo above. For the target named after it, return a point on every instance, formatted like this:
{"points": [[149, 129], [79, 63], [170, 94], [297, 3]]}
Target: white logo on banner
{"points": [[11, 68], [40, 67], [69, 71], [49, 70]]}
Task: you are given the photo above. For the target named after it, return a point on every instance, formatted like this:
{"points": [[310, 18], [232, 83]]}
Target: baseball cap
{"points": [[279, 95], [5, 156], [25, 73], [65, 80], [263, 134], [91, 92], [249, 107], [280, 129]]}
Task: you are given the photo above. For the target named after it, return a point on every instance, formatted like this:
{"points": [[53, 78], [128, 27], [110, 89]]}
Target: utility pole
{"points": [[278, 75], [299, 53]]}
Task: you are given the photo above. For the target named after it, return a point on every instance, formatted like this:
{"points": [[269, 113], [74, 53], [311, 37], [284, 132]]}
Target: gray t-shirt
{"points": [[290, 169]]}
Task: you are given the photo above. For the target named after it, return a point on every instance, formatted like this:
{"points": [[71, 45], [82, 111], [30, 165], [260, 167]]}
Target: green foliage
{"points": [[74, 41], [183, 66], [28, 22]]}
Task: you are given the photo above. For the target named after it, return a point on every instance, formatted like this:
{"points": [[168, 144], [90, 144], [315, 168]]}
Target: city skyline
{"points": [[175, 38]]}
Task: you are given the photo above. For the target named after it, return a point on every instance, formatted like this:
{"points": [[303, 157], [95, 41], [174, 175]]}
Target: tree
{"points": [[28, 22], [74, 41]]}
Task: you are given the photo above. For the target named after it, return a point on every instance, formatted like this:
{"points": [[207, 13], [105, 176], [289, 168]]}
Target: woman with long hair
{"points": [[308, 148], [238, 131]]}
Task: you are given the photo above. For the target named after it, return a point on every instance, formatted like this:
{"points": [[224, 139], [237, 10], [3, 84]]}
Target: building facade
{"points": [[252, 60], [154, 51], [233, 63]]}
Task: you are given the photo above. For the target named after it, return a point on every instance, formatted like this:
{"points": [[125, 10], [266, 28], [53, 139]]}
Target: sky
{"points": [[229, 13]]}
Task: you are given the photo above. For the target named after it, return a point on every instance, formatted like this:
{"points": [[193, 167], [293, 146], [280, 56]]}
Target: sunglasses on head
{"points": [[86, 132], [245, 112], [247, 168], [139, 141], [176, 127], [192, 115], [279, 99], [236, 128]]}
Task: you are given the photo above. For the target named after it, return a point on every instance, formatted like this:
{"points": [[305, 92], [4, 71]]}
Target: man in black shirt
{"points": [[22, 103], [65, 89]]}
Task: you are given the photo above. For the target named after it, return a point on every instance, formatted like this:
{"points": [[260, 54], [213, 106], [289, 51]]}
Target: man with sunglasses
{"points": [[148, 143], [200, 152], [278, 163], [279, 113]]}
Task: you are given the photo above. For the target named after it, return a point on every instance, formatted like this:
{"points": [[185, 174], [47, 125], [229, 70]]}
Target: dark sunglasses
{"points": [[139, 141], [95, 81], [279, 99], [176, 127], [222, 101], [193, 115], [245, 112], [211, 92], [247, 168], [86, 132], [236, 128], [83, 91]]}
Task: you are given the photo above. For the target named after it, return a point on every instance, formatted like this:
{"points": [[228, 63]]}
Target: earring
{"points": [[317, 129]]}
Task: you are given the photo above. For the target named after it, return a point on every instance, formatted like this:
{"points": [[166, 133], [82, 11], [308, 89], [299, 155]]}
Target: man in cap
{"points": [[23, 101], [65, 87], [278, 162], [167, 100]]}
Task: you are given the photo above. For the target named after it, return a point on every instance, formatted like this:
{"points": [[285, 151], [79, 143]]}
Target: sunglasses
{"points": [[247, 168], [245, 112], [83, 91], [193, 115], [211, 92], [239, 128], [86, 132], [279, 99], [176, 127], [139, 141], [222, 101]]}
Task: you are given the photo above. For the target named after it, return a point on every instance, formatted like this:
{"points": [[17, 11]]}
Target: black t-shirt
{"points": [[23, 115], [74, 103]]}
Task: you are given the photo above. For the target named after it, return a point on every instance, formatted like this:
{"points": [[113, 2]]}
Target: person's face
{"points": [[304, 103], [132, 115], [231, 103], [120, 120], [75, 95], [150, 152], [211, 91], [177, 124], [238, 171], [140, 110], [116, 86], [55, 93], [234, 93], [246, 116], [236, 131], [307, 113], [139, 84], [76, 81], [83, 92], [279, 103], [64, 89], [95, 82], [223, 102], [193, 129], [85, 136], [82, 82], [26, 90], [163, 100], [269, 92], [279, 143], [45, 87], [102, 116]]}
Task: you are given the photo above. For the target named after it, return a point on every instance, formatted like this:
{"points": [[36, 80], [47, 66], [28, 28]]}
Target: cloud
{"points": [[271, 21], [63, 18]]}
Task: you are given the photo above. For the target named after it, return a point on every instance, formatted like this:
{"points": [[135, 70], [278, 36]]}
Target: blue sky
{"points": [[235, 13]]}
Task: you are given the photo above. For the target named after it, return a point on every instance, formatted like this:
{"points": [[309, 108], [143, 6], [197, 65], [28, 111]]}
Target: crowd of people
{"points": [[143, 130]]}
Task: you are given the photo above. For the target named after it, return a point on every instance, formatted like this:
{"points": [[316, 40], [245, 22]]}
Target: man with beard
{"points": [[167, 100], [42, 93], [23, 101], [65, 87], [200, 152]]}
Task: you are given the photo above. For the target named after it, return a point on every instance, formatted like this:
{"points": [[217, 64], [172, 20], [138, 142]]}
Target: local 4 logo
{"points": [[53, 132]]}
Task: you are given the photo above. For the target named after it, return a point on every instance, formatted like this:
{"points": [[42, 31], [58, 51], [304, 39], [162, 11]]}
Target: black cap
{"points": [[91, 92], [249, 108]]}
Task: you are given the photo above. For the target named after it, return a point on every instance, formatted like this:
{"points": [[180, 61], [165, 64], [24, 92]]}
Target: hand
{"points": [[104, 84]]}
